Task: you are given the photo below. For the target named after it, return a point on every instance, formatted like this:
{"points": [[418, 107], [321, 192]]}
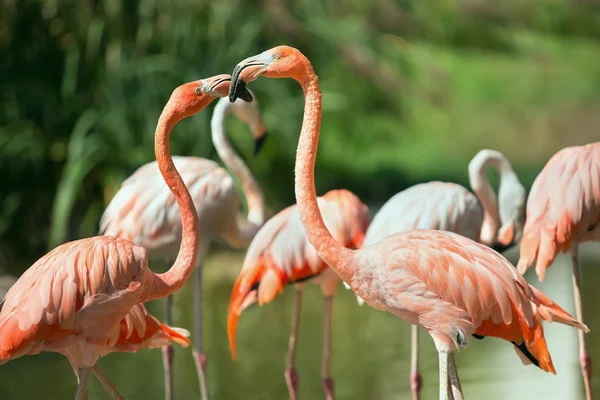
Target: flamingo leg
{"points": [[83, 376], [454, 380], [198, 351], [444, 377], [584, 359], [167, 351], [110, 388], [416, 380], [291, 376], [326, 361]]}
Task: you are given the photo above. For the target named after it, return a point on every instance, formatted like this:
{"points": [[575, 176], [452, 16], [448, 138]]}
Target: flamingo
{"points": [[450, 285], [451, 207], [280, 255], [563, 211], [144, 212], [70, 300]]}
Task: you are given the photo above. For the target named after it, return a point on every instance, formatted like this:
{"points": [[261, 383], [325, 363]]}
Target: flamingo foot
{"points": [[291, 378], [416, 383], [167, 356], [586, 367], [200, 360], [328, 386]]}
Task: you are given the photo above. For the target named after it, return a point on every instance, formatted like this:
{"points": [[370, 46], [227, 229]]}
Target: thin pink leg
{"points": [[198, 350], [110, 388], [416, 381], [326, 361], [83, 376], [291, 376], [167, 353], [584, 358]]}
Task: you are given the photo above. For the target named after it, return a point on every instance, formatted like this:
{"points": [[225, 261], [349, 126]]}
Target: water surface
{"points": [[371, 351]]}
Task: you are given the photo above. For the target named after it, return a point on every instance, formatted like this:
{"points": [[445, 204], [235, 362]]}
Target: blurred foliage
{"points": [[412, 89]]}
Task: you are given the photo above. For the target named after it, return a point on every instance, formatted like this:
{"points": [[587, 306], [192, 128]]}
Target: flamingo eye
{"points": [[198, 90], [276, 56]]}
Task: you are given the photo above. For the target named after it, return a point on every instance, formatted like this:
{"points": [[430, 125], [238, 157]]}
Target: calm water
{"points": [[371, 351]]}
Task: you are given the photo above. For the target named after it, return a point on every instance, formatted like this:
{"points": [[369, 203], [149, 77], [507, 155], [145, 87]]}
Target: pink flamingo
{"points": [[280, 255], [451, 207], [563, 211], [443, 282], [144, 211], [70, 300]]}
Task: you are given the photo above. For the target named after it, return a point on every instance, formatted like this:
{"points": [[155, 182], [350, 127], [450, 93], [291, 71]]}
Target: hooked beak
{"points": [[245, 72]]}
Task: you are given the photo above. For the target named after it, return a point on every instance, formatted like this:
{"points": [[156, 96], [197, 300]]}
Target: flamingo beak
{"points": [[259, 142], [247, 71]]}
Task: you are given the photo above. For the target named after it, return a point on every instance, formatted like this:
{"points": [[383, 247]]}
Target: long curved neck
{"points": [[482, 188], [171, 281], [256, 217], [328, 249]]}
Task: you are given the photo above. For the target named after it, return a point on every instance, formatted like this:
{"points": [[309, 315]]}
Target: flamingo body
{"points": [[281, 254], [75, 294], [434, 205], [144, 209], [563, 207]]}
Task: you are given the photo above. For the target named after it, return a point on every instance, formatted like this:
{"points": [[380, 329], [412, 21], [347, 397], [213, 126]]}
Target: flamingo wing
{"points": [[564, 204], [81, 287]]}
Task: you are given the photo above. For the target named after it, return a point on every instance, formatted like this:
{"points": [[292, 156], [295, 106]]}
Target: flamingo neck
{"points": [[328, 249], [483, 190], [171, 281], [246, 230]]}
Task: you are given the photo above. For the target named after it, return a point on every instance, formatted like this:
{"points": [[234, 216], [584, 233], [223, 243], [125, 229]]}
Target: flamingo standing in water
{"points": [[281, 254], [450, 285], [563, 211], [144, 211], [451, 207], [71, 299]]}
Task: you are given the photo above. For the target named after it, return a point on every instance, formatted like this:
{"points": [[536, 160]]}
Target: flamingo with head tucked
{"points": [[563, 211], [144, 211], [451, 207], [281, 255], [453, 287], [71, 299]]}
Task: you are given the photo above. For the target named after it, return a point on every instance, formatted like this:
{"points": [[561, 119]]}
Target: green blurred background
{"points": [[412, 89]]}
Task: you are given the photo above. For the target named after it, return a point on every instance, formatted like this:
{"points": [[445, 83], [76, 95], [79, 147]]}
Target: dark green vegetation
{"points": [[412, 89]]}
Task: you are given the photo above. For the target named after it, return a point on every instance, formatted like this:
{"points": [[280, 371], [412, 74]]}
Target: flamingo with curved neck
{"points": [[502, 225], [71, 299], [144, 212], [450, 285]]}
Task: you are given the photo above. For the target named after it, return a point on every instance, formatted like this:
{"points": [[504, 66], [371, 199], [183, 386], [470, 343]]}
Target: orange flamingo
{"points": [[451, 207], [445, 283], [563, 211], [70, 300], [144, 211], [280, 255]]}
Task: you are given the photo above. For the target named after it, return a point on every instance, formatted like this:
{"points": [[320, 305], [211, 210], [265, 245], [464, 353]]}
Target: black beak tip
{"points": [[258, 143], [238, 89]]}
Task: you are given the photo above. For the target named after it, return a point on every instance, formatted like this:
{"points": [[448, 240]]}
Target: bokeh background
{"points": [[412, 89]]}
